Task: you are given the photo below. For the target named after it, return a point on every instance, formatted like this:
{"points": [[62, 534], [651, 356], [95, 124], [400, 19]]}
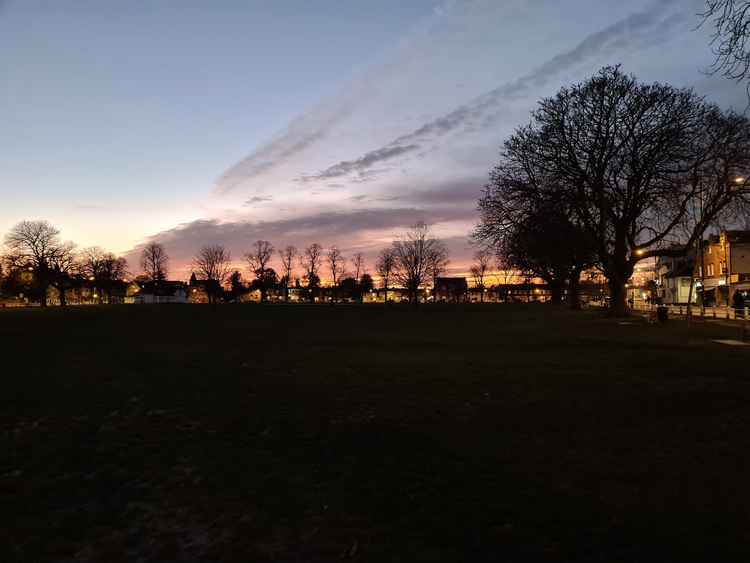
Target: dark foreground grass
{"points": [[252, 433]]}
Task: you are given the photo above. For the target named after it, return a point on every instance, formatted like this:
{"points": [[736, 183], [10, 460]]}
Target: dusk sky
{"points": [[297, 121]]}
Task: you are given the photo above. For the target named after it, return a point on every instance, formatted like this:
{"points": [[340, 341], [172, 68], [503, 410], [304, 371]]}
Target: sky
{"points": [[194, 123]]}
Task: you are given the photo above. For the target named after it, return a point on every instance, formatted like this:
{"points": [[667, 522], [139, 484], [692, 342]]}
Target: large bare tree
{"points": [[258, 259], [34, 244], [62, 267], [385, 266], [114, 269], [437, 263], [480, 268], [104, 269], [287, 256], [310, 262], [729, 42], [416, 253], [626, 160], [336, 268], [91, 262], [213, 265], [155, 262], [358, 263]]}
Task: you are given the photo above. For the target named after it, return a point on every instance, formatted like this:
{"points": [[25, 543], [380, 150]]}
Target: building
{"points": [[451, 290], [593, 290], [724, 268], [674, 276], [161, 292], [527, 292], [395, 295], [641, 284]]}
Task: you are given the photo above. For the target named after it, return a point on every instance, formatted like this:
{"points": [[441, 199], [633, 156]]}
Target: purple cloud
{"points": [[363, 229]]}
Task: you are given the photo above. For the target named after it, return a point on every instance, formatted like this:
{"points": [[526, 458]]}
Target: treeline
{"points": [[609, 172], [416, 259], [36, 259]]}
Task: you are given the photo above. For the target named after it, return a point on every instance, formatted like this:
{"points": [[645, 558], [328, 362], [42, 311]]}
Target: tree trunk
{"points": [[574, 287], [43, 297], [63, 300], [618, 272], [386, 294], [413, 297], [555, 288], [618, 306]]}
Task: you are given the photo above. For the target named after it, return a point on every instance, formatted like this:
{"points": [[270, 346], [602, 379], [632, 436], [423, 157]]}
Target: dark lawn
{"points": [[312, 433]]}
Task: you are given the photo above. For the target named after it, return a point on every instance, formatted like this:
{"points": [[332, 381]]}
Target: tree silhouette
{"points": [[337, 269], [626, 161], [479, 269], [310, 262], [213, 266], [385, 266], [154, 262], [729, 42], [258, 259], [287, 267], [418, 255], [34, 244]]}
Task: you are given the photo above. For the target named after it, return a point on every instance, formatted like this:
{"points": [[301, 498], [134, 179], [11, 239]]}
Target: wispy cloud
{"points": [[363, 163], [413, 137], [300, 134], [257, 199], [637, 31], [316, 124], [358, 228]]}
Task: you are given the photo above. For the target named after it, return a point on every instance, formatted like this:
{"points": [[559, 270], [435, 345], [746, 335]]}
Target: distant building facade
{"points": [[725, 268], [674, 277], [451, 290], [161, 292]]}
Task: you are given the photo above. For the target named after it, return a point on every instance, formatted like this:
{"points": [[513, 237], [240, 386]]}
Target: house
{"points": [[453, 290], [395, 294], [487, 294], [161, 292], [593, 290], [724, 268], [251, 296], [527, 292], [674, 276], [640, 286]]}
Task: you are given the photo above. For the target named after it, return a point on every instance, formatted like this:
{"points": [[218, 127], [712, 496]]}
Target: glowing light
{"points": [[739, 180], [639, 252]]}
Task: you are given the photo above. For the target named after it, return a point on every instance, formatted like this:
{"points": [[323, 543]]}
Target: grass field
{"points": [[315, 433]]}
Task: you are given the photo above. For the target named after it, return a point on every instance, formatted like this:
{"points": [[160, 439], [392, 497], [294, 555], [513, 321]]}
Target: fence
{"points": [[727, 313]]}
